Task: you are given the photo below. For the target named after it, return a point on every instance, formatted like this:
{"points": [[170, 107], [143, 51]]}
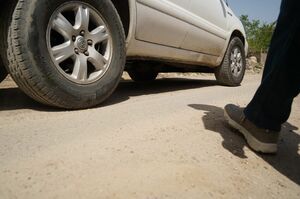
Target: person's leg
{"points": [[261, 121], [271, 105]]}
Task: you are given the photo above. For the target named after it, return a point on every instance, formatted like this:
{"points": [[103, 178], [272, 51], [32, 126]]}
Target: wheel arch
{"points": [[127, 12], [239, 34], [235, 32]]}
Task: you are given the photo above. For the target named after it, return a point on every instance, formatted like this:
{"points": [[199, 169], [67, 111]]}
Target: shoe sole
{"points": [[255, 144]]}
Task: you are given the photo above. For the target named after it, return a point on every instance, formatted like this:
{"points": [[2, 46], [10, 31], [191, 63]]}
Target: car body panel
{"points": [[181, 31], [208, 30], [163, 53], [157, 22]]}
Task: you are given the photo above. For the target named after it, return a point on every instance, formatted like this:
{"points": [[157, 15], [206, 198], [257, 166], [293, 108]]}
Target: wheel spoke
{"points": [[232, 56], [235, 53], [63, 26], [62, 52], [239, 57], [232, 65], [80, 69], [98, 60], [99, 34], [235, 70], [240, 66], [82, 18]]}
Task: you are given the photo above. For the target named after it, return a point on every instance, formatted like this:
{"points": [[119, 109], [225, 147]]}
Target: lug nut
{"points": [[76, 51], [86, 53], [73, 38], [82, 32], [90, 42]]}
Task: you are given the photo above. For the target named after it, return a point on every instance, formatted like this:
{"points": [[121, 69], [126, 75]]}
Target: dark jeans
{"points": [[271, 105]]}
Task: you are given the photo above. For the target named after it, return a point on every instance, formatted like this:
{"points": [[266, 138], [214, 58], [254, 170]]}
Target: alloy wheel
{"points": [[79, 42], [236, 61]]}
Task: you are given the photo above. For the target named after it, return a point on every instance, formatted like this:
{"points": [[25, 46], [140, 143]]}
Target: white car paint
{"points": [[167, 30]]}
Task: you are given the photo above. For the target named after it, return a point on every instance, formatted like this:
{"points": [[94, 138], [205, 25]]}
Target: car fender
{"points": [[234, 25], [132, 22]]}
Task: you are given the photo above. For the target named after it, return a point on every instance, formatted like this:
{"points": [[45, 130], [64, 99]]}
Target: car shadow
{"points": [[13, 98], [128, 88], [286, 161]]}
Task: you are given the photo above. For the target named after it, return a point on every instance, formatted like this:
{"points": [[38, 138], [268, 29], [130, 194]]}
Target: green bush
{"points": [[258, 34]]}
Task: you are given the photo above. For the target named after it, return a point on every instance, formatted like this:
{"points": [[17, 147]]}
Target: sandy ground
{"points": [[166, 139]]}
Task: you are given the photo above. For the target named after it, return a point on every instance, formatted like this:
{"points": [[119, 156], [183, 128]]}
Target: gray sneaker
{"points": [[260, 140]]}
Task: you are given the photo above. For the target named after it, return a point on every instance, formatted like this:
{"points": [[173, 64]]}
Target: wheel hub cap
{"points": [[81, 44]]}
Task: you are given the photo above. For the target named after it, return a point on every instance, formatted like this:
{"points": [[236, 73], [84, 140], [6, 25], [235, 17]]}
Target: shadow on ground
{"points": [[286, 161], [14, 98]]}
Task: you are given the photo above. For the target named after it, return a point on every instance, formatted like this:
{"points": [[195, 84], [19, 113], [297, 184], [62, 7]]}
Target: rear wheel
{"points": [[142, 72], [3, 73], [232, 70], [69, 54]]}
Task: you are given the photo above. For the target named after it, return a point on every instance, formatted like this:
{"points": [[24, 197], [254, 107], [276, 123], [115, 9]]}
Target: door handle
{"points": [[229, 13]]}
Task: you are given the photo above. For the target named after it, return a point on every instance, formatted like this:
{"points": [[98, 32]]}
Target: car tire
{"points": [[142, 72], [5, 20], [67, 54], [232, 70]]}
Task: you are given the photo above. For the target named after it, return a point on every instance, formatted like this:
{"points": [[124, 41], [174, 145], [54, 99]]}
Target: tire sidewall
{"points": [[43, 65]]}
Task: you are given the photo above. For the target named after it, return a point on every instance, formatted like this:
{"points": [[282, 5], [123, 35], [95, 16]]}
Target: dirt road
{"points": [[165, 139]]}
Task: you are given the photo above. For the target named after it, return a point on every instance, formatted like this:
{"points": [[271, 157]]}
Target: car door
{"points": [[207, 31], [158, 21]]}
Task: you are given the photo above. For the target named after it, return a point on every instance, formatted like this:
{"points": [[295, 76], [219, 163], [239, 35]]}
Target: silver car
{"points": [[72, 53]]}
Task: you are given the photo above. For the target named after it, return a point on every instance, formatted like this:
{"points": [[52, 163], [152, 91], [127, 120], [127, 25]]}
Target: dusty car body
{"points": [[195, 32], [71, 54]]}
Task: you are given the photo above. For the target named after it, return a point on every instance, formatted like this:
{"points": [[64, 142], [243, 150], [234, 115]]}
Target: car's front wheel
{"points": [[65, 53], [232, 70]]}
